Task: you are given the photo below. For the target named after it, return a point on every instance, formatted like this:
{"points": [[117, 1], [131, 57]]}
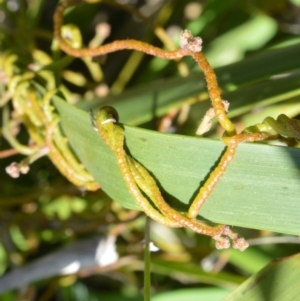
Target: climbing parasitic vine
{"points": [[140, 183]]}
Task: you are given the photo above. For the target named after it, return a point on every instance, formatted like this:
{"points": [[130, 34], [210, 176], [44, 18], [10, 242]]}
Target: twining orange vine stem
{"points": [[214, 177], [129, 44], [139, 182], [212, 181], [63, 165], [189, 47], [214, 93]]}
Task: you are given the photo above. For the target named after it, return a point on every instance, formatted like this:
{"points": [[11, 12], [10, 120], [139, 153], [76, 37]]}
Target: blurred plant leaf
{"points": [[278, 281], [249, 262], [192, 294], [251, 35], [255, 95], [186, 270]]}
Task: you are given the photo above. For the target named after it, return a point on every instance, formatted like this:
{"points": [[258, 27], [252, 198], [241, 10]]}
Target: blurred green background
{"points": [[41, 211]]}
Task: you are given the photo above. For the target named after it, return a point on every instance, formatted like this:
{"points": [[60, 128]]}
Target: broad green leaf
{"points": [[259, 190], [279, 281]]}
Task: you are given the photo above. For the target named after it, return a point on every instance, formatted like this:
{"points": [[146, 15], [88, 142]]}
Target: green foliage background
{"points": [[255, 48]]}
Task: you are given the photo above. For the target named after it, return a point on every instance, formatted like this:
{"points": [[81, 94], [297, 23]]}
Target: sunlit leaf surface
{"points": [[259, 190]]}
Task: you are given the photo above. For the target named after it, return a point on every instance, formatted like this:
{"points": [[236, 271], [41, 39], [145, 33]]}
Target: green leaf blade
{"points": [[259, 190]]}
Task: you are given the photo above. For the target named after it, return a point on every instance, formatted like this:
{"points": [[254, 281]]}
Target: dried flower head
{"points": [[14, 169], [188, 41]]}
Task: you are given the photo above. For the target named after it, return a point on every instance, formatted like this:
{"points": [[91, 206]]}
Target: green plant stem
{"points": [[147, 259]]}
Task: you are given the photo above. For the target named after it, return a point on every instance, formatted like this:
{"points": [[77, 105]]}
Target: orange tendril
{"points": [[140, 183]]}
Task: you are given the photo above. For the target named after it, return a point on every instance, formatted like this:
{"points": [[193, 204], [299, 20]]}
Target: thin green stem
{"points": [[147, 260]]}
